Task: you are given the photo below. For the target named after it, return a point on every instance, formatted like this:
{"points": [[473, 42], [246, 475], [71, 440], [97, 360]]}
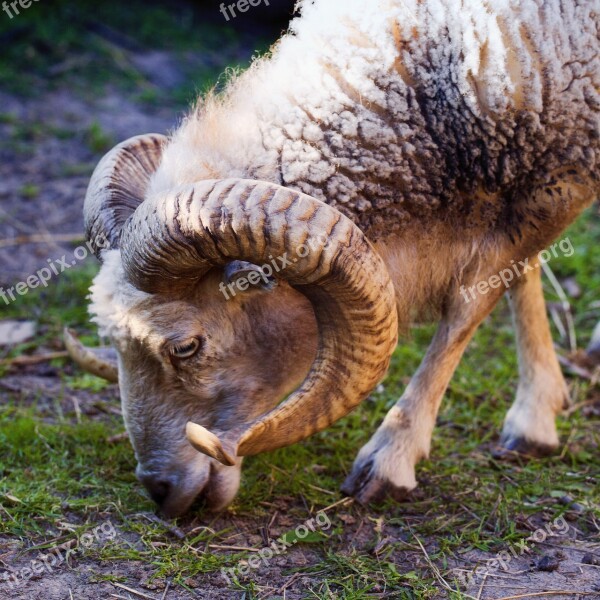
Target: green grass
{"points": [[466, 499], [62, 302], [94, 52], [98, 140]]}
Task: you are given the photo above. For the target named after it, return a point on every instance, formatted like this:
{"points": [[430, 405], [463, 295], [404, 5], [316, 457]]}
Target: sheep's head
{"points": [[204, 359]]}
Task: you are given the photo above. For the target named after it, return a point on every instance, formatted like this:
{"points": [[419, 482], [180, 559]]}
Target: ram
{"points": [[380, 164]]}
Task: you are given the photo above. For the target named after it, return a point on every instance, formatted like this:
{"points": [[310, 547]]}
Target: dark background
{"points": [[37, 42]]}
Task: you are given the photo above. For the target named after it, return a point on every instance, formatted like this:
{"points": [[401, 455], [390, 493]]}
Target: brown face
{"points": [[217, 359]]}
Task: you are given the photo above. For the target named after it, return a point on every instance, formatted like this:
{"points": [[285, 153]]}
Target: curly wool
{"points": [[404, 110]]}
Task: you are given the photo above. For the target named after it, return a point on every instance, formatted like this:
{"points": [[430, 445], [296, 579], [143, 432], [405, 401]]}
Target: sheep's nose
{"points": [[158, 487]]}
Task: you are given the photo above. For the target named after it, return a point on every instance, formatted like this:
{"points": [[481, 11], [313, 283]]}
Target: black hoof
{"points": [[368, 489], [519, 446]]}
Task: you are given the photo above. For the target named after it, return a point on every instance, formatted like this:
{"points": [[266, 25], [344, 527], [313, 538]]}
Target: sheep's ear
{"points": [[245, 277]]}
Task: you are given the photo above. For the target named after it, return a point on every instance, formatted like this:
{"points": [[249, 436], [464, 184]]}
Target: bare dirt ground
{"points": [[59, 168]]}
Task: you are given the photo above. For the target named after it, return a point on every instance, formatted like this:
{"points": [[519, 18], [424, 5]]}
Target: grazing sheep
{"points": [[435, 144]]}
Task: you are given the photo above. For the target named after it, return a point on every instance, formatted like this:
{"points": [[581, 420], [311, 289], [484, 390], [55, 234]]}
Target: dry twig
{"points": [[34, 359], [132, 591], [566, 305], [42, 238], [549, 593]]}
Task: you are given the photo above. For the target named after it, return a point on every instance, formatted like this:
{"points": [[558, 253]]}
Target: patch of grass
{"points": [[97, 139], [7, 119], [62, 302], [30, 191], [86, 381], [60, 455]]}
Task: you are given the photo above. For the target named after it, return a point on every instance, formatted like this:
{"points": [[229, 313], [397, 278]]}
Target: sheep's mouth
{"points": [[213, 492]]}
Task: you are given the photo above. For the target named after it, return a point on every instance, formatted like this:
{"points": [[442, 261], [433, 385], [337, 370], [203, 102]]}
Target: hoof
{"points": [[520, 446], [366, 488]]}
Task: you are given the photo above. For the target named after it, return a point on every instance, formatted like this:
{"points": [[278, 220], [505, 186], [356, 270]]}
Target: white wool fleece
{"points": [[393, 110]]}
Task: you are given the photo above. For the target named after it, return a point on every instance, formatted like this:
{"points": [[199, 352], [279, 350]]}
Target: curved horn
{"points": [[118, 186], [101, 362], [175, 239]]}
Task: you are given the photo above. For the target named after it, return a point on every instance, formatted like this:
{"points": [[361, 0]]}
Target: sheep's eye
{"points": [[185, 350]]}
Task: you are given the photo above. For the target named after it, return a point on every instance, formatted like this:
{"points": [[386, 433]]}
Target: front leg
{"points": [[386, 464]]}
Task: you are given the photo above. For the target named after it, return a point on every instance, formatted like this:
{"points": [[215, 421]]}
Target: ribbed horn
{"points": [[173, 240], [118, 186]]}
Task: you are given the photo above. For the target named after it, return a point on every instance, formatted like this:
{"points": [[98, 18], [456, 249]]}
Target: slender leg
{"points": [[386, 464], [530, 426]]}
